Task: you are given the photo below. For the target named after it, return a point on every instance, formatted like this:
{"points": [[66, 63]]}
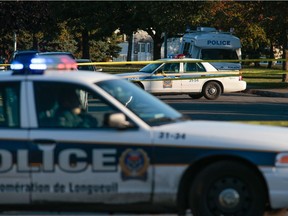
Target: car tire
{"points": [[211, 90], [196, 95], [227, 188]]}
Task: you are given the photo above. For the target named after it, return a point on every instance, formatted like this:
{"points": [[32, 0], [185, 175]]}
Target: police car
{"points": [[136, 154], [190, 76]]}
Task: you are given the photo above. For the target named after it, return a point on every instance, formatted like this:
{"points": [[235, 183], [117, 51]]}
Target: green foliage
{"points": [[59, 25], [104, 50], [64, 41]]}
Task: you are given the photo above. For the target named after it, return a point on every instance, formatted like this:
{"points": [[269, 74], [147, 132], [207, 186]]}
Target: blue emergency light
{"points": [[40, 64], [16, 65]]}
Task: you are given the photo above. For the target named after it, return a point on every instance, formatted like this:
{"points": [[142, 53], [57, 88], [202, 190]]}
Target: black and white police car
{"points": [[190, 76], [137, 154]]}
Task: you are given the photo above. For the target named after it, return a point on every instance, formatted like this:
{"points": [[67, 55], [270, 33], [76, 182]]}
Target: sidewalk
{"points": [[283, 92]]}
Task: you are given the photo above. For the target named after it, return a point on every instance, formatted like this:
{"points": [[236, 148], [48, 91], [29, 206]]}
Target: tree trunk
{"points": [[130, 46], [157, 43], [285, 56], [271, 55], [35, 42], [85, 44], [285, 66]]}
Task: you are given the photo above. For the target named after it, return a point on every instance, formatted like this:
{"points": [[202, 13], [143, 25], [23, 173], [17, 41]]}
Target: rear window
{"points": [[24, 57]]}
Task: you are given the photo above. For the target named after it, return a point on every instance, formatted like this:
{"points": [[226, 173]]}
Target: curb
{"points": [[266, 93]]}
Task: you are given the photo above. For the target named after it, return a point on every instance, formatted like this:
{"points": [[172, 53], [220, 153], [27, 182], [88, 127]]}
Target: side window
{"points": [[193, 67], [10, 105], [171, 68], [186, 49], [62, 105], [190, 67]]}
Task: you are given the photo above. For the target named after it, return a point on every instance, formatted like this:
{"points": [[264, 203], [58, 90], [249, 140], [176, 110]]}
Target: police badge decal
{"points": [[134, 164]]}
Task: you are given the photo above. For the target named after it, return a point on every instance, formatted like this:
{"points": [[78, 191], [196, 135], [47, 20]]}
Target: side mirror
{"points": [[159, 71], [118, 120]]}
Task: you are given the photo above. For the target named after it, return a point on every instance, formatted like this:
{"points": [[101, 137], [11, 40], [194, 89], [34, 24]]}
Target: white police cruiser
{"points": [[127, 149], [182, 75]]}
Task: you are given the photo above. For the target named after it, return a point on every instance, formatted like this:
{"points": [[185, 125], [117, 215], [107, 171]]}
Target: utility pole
{"points": [[285, 67], [165, 45], [15, 41], [285, 55]]}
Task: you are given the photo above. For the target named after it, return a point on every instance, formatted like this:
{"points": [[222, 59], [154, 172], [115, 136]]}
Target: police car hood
{"points": [[134, 74], [223, 135], [226, 66]]}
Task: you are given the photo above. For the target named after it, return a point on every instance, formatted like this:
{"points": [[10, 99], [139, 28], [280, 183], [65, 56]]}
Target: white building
{"points": [[142, 48]]}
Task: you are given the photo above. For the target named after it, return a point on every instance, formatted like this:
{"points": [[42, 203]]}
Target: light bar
{"points": [[16, 66], [43, 63]]}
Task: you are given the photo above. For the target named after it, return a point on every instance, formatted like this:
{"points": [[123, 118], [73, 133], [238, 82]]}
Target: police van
{"points": [[127, 151], [209, 44]]}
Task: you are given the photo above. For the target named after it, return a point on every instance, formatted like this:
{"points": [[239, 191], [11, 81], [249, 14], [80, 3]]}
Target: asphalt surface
{"points": [[281, 92]]}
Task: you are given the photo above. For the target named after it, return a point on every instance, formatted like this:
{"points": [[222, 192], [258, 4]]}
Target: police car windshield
{"points": [[150, 68], [149, 108], [218, 54]]}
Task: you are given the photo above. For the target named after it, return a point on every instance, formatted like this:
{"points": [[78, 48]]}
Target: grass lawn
{"points": [[264, 78]]}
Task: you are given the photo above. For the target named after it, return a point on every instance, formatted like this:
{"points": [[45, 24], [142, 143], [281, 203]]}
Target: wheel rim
{"points": [[212, 90], [228, 195], [229, 198]]}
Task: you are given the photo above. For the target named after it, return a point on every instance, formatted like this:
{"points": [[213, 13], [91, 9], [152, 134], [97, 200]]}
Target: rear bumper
{"points": [[235, 86]]}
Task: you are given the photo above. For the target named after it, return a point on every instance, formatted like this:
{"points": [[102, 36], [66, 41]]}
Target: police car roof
{"points": [[180, 59], [6, 73], [82, 76], [85, 76]]}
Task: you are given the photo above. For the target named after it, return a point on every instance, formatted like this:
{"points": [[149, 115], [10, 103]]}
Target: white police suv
{"points": [[69, 137], [186, 76]]}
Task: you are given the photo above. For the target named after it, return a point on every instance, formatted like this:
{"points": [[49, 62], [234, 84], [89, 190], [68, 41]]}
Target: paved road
{"points": [[231, 107], [279, 213]]}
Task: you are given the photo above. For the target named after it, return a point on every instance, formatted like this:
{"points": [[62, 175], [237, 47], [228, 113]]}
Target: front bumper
{"points": [[277, 183]]}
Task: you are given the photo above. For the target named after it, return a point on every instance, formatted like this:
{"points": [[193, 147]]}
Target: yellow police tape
{"points": [[174, 60], [271, 123], [244, 72], [180, 60]]}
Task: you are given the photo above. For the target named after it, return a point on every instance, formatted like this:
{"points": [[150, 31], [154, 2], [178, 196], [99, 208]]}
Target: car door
{"points": [[165, 79], [15, 182], [91, 161], [193, 77]]}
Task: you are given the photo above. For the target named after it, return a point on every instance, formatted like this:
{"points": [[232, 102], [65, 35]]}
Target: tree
{"points": [[275, 24], [41, 22], [28, 19], [63, 41], [241, 17], [87, 18], [156, 18]]}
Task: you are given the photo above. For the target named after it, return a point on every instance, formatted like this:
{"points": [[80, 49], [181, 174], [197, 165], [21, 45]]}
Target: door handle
{"points": [[44, 142]]}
